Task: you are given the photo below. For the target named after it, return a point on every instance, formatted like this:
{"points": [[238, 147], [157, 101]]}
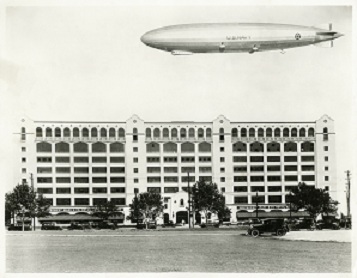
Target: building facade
{"points": [[77, 165]]}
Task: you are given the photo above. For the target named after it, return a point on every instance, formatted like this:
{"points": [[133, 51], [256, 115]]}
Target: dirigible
{"points": [[237, 37]]}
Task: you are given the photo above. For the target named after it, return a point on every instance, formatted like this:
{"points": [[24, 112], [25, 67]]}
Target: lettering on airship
{"points": [[297, 36], [241, 38]]}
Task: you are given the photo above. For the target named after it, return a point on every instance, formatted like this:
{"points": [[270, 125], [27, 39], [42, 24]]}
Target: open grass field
{"points": [[169, 251]]}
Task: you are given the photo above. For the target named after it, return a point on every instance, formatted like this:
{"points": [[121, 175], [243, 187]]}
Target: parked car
{"points": [[169, 224], [307, 223], [275, 226], [346, 223], [75, 226], [328, 225], [13, 227], [50, 226], [152, 224], [104, 225]]}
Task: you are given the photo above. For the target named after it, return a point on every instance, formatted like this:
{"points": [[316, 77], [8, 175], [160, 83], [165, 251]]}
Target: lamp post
{"points": [[256, 204]]}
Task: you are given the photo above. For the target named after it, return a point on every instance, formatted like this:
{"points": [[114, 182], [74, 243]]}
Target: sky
{"points": [[88, 64]]}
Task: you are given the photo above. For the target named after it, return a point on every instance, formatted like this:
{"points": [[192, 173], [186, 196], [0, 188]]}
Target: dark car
{"points": [[13, 227], [50, 226], [346, 223], [75, 226], [275, 226], [169, 224], [104, 226], [307, 223], [328, 225]]}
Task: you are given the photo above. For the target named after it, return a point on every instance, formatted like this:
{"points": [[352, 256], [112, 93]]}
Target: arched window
{"points": [[286, 132], [260, 132], [165, 133], [273, 147], [121, 133], [57, 132], [256, 147], [76, 132], [325, 130], [239, 147], [103, 132], [302, 132], [44, 147], [93, 132], [48, 132], [277, 132], [181, 203], [200, 133], [251, 132], [62, 148], [307, 147], [191, 133], [269, 132], [174, 133], [66, 132], [148, 132], [152, 148], [209, 133], [290, 147], [187, 148], [38, 132], [99, 147], [183, 133], [204, 147], [294, 132], [135, 130], [85, 132], [112, 132], [156, 133], [116, 148], [243, 132], [221, 130], [80, 147], [170, 148], [234, 132], [311, 132]]}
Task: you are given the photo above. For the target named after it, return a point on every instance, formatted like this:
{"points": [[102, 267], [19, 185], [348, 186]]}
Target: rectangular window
{"points": [[99, 159], [63, 170], [256, 178], [259, 199], [135, 149], [170, 169], [63, 201], [290, 178], [136, 180], [153, 169], [99, 201], [257, 159], [118, 201], [326, 178], [45, 190], [81, 180], [240, 179], [308, 177], [290, 158], [117, 180], [326, 158], [257, 168], [240, 189], [274, 178], [205, 178], [222, 170], [153, 179], [274, 168], [185, 179], [44, 180], [273, 159], [240, 169], [23, 159], [99, 179], [326, 168], [81, 190], [170, 159], [222, 179], [135, 160], [81, 159], [63, 180], [187, 169], [101, 170], [221, 149], [81, 170], [154, 189], [205, 159], [327, 188], [290, 168], [117, 169], [153, 159], [117, 190], [307, 167], [223, 189], [274, 199], [205, 169], [62, 159], [23, 149], [24, 170], [188, 159], [241, 200], [136, 170], [81, 201], [289, 188], [170, 179], [257, 188], [63, 190], [115, 159], [325, 148], [308, 158], [274, 188], [99, 190], [171, 189], [43, 170], [221, 159], [239, 159], [44, 159], [325, 137]]}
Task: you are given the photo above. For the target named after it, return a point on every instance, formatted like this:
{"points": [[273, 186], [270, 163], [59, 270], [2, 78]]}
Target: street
{"points": [[216, 250]]}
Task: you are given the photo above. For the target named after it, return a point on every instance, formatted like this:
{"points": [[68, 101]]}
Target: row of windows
{"points": [[260, 199], [175, 179], [60, 170], [86, 201], [273, 158], [80, 190], [174, 169], [273, 147], [184, 133], [273, 178], [172, 147], [84, 132], [80, 159], [81, 180], [252, 132], [80, 147], [262, 188], [273, 168]]}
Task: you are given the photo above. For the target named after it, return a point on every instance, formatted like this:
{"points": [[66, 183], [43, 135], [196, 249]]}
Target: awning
{"points": [[273, 214]]}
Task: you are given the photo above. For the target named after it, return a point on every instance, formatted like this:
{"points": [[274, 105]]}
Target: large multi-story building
{"points": [[77, 165]]}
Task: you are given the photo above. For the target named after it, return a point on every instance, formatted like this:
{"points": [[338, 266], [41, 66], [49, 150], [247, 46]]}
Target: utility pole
{"points": [[256, 204], [290, 205], [136, 190], [189, 200], [33, 189], [348, 192]]}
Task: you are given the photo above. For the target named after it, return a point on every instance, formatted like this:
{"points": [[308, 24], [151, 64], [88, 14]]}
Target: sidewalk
{"points": [[319, 235]]}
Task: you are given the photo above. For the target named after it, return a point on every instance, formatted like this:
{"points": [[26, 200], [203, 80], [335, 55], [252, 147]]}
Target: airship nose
{"points": [[147, 38], [339, 35]]}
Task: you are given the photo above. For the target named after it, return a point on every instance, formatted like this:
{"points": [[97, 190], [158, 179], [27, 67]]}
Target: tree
{"points": [[11, 207], [313, 200], [207, 198], [148, 204], [104, 210]]}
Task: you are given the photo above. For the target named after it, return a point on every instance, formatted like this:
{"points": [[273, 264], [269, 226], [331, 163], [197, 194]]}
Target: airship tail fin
{"points": [[326, 44], [326, 26]]}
